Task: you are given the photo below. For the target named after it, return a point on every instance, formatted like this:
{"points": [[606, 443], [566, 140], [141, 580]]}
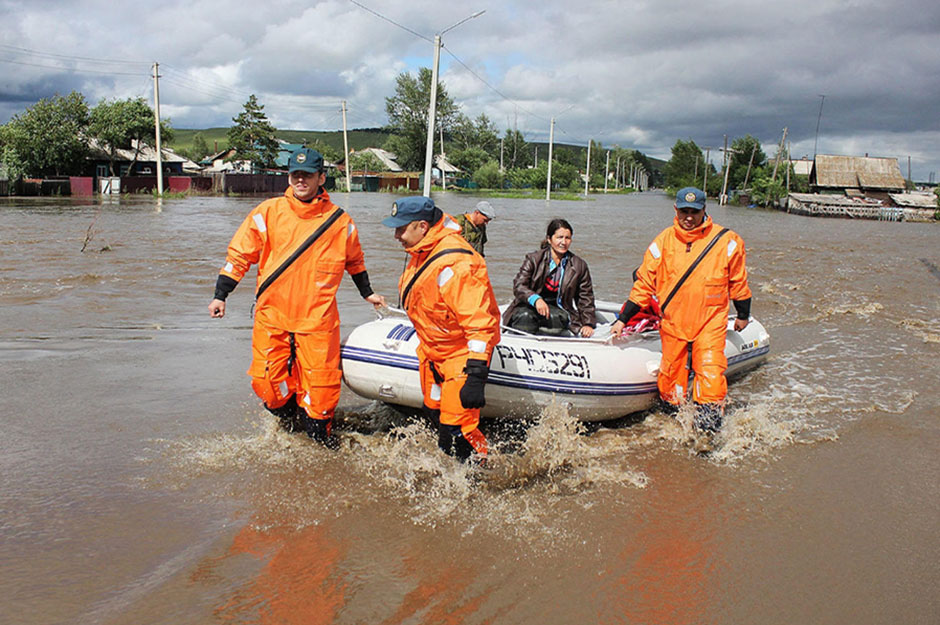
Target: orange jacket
{"points": [[704, 297], [303, 298], [451, 304]]}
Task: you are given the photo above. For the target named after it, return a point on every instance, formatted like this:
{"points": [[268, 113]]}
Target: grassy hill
{"points": [[359, 138], [217, 138]]}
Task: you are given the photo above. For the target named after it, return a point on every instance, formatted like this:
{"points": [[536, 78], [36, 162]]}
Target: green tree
{"points": [[766, 193], [738, 169], [48, 138], [366, 161], [200, 148], [252, 136], [479, 134], [516, 152], [408, 117], [124, 124], [488, 176], [328, 152], [470, 159], [681, 168]]}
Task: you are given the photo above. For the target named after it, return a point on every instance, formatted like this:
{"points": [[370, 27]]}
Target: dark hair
{"points": [[554, 226]]}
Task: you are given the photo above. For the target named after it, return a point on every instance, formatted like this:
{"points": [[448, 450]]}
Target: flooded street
{"points": [[144, 483]]}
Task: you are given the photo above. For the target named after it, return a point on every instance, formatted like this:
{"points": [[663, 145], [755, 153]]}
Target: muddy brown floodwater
{"points": [[143, 483]]}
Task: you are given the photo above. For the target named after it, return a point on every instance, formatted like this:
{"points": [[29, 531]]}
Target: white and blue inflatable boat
{"points": [[598, 378]]}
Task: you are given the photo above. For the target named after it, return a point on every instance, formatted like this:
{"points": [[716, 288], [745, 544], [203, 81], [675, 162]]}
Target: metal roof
{"points": [[864, 172]]}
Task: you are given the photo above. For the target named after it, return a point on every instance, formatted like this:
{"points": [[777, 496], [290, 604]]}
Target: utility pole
{"points": [[705, 177], [346, 151], [432, 105], [443, 158], [432, 112], [749, 163], [587, 177], [725, 161], [606, 171], [501, 155], [156, 115], [779, 153], [695, 175], [548, 182], [818, 117], [617, 174]]}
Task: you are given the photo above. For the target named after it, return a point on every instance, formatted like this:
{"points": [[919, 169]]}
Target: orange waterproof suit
{"points": [[454, 312], [296, 339], [698, 312]]}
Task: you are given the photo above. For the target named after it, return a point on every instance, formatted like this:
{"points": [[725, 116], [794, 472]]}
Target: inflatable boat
{"points": [[597, 378]]}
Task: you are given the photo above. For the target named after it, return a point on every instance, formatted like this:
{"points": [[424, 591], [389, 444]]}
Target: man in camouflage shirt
{"points": [[473, 225]]}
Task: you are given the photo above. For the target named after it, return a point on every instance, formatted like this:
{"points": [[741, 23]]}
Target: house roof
{"points": [[441, 162], [387, 158], [147, 154], [914, 200], [857, 172], [801, 166]]}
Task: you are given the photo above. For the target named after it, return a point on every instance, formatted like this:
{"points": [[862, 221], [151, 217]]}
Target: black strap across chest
{"points": [[300, 250], [688, 272], [427, 263]]}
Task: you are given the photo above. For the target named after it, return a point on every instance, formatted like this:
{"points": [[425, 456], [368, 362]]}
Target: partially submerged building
{"points": [[862, 187]]}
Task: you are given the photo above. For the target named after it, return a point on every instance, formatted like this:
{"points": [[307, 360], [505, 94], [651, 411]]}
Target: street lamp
{"points": [[432, 106]]}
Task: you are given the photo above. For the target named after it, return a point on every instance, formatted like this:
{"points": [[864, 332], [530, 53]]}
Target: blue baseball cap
{"points": [[408, 209], [305, 159], [690, 197]]}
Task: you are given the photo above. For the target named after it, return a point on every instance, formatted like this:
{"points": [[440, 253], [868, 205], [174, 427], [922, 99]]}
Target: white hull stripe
{"points": [[501, 378]]}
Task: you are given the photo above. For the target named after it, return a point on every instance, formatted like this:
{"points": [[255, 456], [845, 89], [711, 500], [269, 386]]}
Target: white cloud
{"points": [[641, 74]]}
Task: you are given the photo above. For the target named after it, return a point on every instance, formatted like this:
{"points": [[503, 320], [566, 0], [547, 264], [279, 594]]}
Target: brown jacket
{"points": [[577, 292]]}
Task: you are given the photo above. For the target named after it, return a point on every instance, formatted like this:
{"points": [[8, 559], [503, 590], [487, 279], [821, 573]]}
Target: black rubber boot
{"points": [[708, 417], [667, 408], [289, 415], [452, 442], [321, 430], [445, 438]]}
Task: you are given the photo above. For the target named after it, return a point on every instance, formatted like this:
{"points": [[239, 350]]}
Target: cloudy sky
{"points": [[635, 73]]}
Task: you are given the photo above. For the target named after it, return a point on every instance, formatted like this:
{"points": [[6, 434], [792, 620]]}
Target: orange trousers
{"points": [[708, 362], [306, 365], [441, 384]]}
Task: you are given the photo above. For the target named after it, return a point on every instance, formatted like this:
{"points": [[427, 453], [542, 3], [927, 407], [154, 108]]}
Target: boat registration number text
{"points": [[545, 361]]}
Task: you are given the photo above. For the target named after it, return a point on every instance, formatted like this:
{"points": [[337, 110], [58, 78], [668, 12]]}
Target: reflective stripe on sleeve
{"points": [[259, 221], [654, 250], [350, 229], [732, 245], [446, 274], [229, 267], [477, 346]]}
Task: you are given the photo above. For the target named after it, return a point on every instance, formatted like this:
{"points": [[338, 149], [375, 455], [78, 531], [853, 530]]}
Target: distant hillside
{"points": [[359, 138], [217, 138]]}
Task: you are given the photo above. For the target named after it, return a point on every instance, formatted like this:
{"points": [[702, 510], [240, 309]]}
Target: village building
{"points": [[860, 187]]}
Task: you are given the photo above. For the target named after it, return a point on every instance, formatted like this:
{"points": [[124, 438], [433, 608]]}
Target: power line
{"points": [[73, 58], [390, 21], [72, 69]]}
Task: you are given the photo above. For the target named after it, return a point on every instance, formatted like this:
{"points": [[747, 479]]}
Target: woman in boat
{"points": [[553, 290]]}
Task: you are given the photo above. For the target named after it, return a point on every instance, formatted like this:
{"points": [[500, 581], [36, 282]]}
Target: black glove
{"points": [[471, 395]]}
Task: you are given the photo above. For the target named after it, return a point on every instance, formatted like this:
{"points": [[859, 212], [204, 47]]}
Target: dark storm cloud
{"points": [[640, 73]]}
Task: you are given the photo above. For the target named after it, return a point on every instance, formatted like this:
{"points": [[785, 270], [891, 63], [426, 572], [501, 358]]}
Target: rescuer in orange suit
{"points": [[695, 316], [446, 291], [302, 243]]}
